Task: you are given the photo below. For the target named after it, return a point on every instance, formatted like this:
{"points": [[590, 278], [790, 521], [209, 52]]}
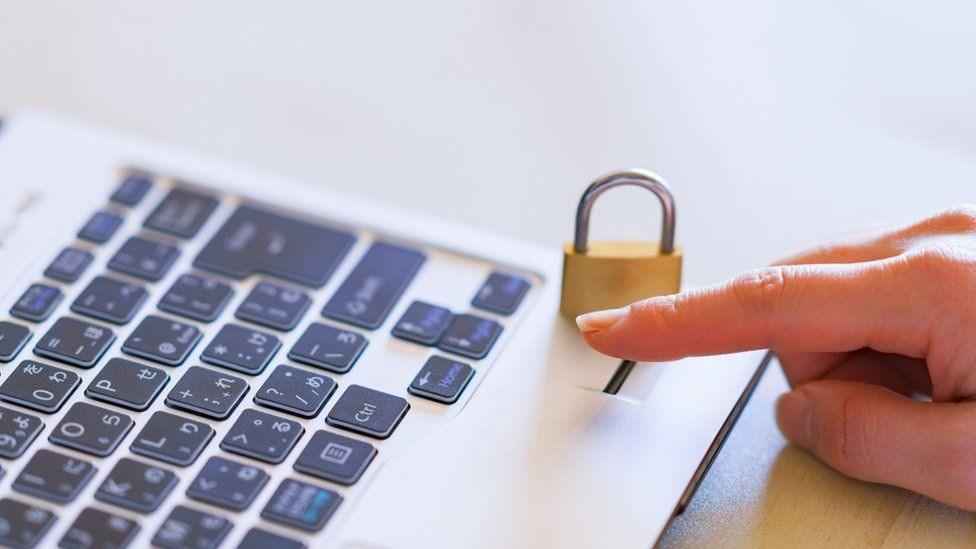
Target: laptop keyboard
{"points": [[220, 328]]}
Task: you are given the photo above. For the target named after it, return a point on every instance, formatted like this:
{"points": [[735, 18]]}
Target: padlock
{"points": [[611, 274]]}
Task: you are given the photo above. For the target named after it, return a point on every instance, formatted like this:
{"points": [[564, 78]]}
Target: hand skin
{"points": [[876, 335]]}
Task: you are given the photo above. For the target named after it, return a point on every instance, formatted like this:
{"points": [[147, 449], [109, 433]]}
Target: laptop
{"points": [[198, 354]]}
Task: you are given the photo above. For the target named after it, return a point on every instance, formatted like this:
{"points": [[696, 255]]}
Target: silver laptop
{"points": [[197, 354]]}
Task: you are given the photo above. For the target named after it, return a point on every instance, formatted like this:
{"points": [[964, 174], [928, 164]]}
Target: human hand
{"points": [[876, 335]]}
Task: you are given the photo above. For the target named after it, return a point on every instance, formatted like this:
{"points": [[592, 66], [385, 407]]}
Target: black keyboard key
{"points": [[262, 436], [185, 527], [13, 337], [295, 391], [470, 336], [54, 476], [110, 300], [331, 456], [423, 323], [162, 340], [255, 538], [91, 429], [197, 297], [96, 529], [441, 380], [37, 302], [172, 439], [39, 386], [241, 349], [144, 258], [328, 347], [100, 227], [132, 189], [69, 265], [181, 213], [501, 293], [127, 384], [368, 411], [374, 285], [17, 431], [301, 505], [76, 342], [207, 393], [259, 241], [274, 306], [23, 525], [227, 484], [136, 486]]}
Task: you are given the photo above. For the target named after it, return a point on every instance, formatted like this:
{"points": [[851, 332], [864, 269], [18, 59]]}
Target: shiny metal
{"points": [[637, 177]]}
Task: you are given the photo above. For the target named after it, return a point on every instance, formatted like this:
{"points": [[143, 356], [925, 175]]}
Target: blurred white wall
{"points": [[777, 123]]}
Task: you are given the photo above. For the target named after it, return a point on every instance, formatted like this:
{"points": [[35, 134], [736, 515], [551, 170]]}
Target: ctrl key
{"points": [[301, 505], [23, 525]]}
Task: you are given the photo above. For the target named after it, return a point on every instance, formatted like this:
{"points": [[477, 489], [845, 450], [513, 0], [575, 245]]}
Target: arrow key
{"points": [[136, 486], [227, 484], [471, 336], [441, 379]]}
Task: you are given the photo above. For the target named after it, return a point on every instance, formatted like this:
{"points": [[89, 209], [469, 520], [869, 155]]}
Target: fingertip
{"points": [[793, 413], [600, 320]]}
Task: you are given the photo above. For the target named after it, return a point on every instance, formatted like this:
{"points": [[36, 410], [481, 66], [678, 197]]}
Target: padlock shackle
{"points": [[640, 178]]}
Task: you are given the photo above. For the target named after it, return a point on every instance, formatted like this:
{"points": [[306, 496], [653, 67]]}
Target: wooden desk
{"points": [[762, 491]]}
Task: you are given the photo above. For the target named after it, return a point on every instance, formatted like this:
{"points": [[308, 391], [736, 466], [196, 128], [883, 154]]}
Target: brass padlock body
{"points": [[612, 274]]}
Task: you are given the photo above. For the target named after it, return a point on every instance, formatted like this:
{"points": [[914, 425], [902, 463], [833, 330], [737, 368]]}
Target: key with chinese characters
{"points": [[501, 293], [207, 393], [334, 457], [95, 528], [23, 525], [100, 227], [262, 436], [162, 340], [76, 342], [69, 265], [144, 258], [241, 349], [328, 347], [13, 337], [172, 439], [295, 391], [110, 300], [368, 411], [91, 429], [185, 527], [441, 379], [274, 306], [37, 302], [470, 336], [227, 484], [39, 386], [181, 213], [301, 505], [262, 539], [423, 323], [17, 431], [127, 384], [136, 486], [132, 189], [197, 297], [54, 476]]}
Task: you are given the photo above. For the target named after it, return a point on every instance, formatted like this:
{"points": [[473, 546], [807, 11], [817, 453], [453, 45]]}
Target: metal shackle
{"points": [[640, 178]]}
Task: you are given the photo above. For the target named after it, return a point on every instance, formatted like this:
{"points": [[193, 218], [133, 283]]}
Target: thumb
{"points": [[877, 435]]}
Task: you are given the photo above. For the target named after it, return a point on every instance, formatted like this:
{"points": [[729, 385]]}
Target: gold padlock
{"points": [[607, 275]]}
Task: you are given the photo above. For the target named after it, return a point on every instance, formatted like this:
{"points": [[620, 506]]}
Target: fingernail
{"points": [[793, 412], [600, 320]]}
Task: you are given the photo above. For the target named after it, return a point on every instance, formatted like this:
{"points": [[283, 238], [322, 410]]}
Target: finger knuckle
{"points": [[949, 264], [846, 436], [757, 290], [961, 217]]}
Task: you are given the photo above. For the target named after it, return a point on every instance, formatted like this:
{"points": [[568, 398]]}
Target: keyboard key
{"points": [[301, 505], [162, 340], [187, 527], [70, 264], [470, 336], [13, 337], [501, 293], [423, 323], [39, 386], [241, 349], [328, 347], [37, 302], [262, 436], [441, 380], [374, 285], [110, 300], [368, 411], [255, 538], [259, 241], [207, 393], [144, 258], [197, 297], [172, 439], [227, 484], [331, 456], [295, 391], [274, 306], [76, 342], [17, 431], [95, 528], [136, 486], [54, 477], [100, 227], [127, 384], [181, 213], [132, 189], [91, 429], [23, 525]]}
